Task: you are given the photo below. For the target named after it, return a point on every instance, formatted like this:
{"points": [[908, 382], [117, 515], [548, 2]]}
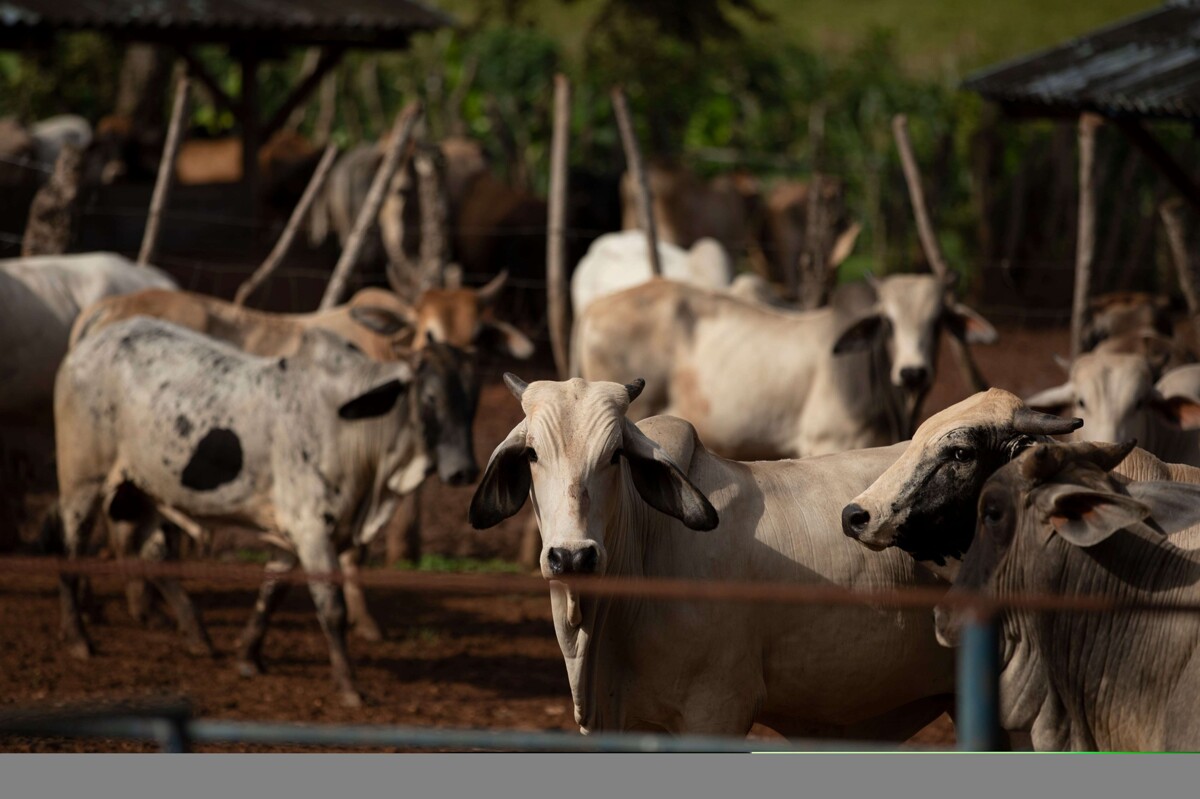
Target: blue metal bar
{"points": [[977, 722]]}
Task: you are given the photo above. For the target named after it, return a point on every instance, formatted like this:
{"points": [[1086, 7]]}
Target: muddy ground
{"points": [[446, 661]]}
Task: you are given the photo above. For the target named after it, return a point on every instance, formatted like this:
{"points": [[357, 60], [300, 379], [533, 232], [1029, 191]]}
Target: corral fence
{"points": [[171, 725]]}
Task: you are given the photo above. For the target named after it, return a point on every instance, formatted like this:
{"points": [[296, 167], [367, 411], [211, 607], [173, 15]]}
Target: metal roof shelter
{"points": [[1144, 67], [253, 30]]}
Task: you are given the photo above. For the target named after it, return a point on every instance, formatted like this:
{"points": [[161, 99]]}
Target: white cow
{"points": [[40, 298], [1117, 398], [760, 382], [314, 449], [617, 261], [1056, 520], [648, 500]]}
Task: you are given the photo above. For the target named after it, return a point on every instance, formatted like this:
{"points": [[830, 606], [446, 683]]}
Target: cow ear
{"points": [[502, 337], [1183, 411], [967, 325], [378, 320], [662, 484], [376, 402], [1056, 401], [1173, 506], [1085, 517], [505, 484], [861, 334]]}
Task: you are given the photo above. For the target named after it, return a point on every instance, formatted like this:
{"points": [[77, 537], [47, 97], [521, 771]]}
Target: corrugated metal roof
{"points": [[1145, 65], [316, 20]]}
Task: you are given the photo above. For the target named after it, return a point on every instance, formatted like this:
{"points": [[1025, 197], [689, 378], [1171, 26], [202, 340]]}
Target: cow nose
{"points": [[564, 561], [913, 376], [464, 476], [855, 519]]}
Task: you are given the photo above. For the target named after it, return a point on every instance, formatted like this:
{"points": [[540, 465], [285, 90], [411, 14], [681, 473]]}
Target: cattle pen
{"points": [[170, 723]]}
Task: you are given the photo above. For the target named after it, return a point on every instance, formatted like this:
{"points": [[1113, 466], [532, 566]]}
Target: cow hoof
{"points": [[80, 650], [368, 631], [351, 698], [248, 668]]}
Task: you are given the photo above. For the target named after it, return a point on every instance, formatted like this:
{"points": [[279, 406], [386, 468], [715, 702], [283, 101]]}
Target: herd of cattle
{"points": [[710, 432]]}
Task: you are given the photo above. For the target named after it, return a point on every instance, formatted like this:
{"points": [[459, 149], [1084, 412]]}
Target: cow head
{"points": [[925, 502], [448, 392], [1058, 491], [1119, 313], [909, 313], [460, 316], [1116, 397], [577, 456]]}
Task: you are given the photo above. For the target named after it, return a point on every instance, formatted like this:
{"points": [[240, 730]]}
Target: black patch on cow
{"points": [[375, 402], [129, 503], [283, 364], [217, 460], [183, 425]]}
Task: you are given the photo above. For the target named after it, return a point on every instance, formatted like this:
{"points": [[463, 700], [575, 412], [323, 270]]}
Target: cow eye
{"points": [[1081, 403], [964, 454], [992, 514], [531, 454], [617, 453]]}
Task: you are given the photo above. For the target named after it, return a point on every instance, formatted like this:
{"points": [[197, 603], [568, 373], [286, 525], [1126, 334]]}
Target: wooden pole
{"points": [[289, 232], [1086, 244], [166, 170], [402, 133], [633, 159], [557, 300], [1172, 217], [933, 251]]}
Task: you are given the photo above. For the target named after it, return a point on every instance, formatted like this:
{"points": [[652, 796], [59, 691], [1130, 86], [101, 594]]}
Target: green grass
{"points": [[443, 563], [935, 37]]}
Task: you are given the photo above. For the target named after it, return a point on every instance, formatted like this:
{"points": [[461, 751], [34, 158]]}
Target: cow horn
{"points": [[635, 388], [1044, 460], [488, 293], [515, 384], [1032, 422]]}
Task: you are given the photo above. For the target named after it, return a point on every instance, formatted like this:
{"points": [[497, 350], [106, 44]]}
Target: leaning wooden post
{"points": [[633, 160], [557, 301], [166, 170], [1173, 222], [929, 243], [289, 232], [1085, 247], [402, 133]]}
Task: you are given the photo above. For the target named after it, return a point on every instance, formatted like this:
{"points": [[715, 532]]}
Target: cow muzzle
{"points": [[561, 561], [858, 524]]}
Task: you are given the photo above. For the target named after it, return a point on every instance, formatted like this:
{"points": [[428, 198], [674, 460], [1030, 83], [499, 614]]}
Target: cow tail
{"points": [[51, 538]]}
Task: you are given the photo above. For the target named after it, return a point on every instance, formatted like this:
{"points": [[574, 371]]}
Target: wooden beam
{"points": [[558, 298], [1172, 217], [330, 58], [252, 138], [197, 70], [633, 159], [166, 169], [1086, 244], [1163, 161]]}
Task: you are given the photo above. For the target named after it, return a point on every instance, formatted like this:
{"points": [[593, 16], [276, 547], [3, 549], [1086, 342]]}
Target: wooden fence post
{"points": [[633, 160], [1086, 245], [289, 232], [557, 299], [401, 136], [933, 251], [1171, 212], [166, 170]]}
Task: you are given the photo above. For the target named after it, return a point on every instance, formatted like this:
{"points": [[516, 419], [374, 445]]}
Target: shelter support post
{"points": [[977, 722]]}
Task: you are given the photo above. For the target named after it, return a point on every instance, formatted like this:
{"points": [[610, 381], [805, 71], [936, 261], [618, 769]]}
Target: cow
{"points": [[313, 449], [925, 503], [1116, 396], [614, 498], [822, 382], [40, 299], [202, 161], [1057, 519], [617, 261]]}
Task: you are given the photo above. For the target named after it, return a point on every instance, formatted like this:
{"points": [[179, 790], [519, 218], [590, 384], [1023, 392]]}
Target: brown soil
{"points": [[446, 662]]}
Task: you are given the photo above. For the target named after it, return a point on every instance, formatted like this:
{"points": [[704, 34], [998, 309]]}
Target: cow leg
{"points": [[272, 592], [76, 514], [358, 617], [124, 538], [317, 556], [161, 546], [402, 537]]}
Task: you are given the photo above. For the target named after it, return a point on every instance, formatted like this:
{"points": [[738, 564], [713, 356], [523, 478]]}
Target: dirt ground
{"points": [[446, 661]]}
